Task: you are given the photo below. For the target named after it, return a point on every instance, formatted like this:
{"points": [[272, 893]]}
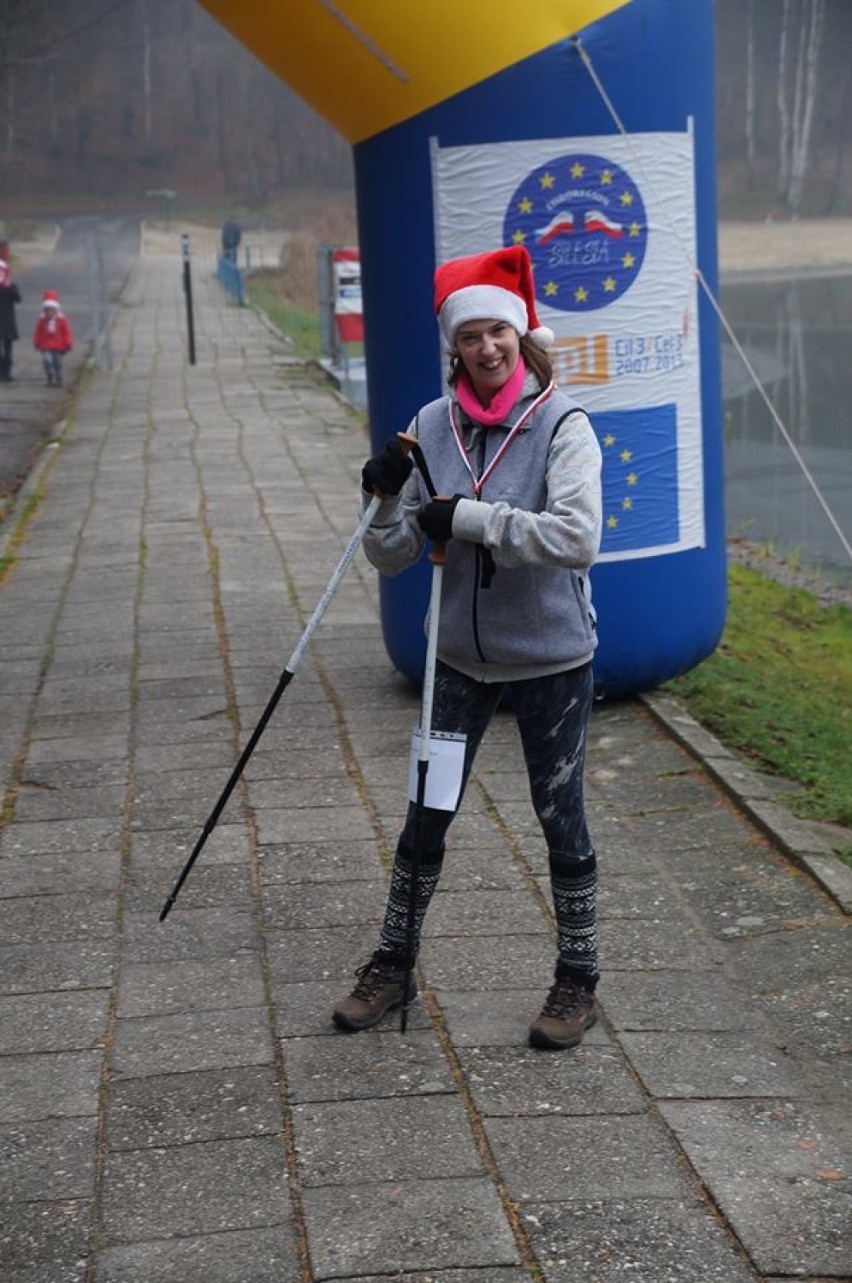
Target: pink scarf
{"points": [[501, 403]]}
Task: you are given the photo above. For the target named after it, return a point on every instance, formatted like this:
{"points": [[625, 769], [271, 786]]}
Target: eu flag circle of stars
{"points": [[583, 221]]}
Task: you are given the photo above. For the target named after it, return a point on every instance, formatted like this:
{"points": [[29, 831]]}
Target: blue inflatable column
{"points": [[598, 155]]}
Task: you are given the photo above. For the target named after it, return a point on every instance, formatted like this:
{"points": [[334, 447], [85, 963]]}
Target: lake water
{"points": [[797, 333]]}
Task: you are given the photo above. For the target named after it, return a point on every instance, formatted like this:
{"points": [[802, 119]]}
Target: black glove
{"points": [[386, 473], [436, 519]]}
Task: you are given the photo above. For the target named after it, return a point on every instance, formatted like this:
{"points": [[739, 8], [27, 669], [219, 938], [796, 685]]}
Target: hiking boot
{"points": [[379, 990], [569, 1010]]}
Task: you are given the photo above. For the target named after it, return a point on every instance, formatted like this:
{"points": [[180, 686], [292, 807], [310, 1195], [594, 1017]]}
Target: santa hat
{"points": [[4, 270], [496, 285], [50, 299]]}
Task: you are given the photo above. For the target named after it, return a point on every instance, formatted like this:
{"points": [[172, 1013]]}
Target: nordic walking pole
{"points": [[283, 682], [438, 557]]}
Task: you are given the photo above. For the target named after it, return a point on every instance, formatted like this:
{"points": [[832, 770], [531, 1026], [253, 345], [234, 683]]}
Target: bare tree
{"points": [[86, 90], [36, 38], [20, 19], [783, 110], [750, 121], [810, 41], [799, 44], [9, 149], [53, 126], [146, 68], [841, 141]]}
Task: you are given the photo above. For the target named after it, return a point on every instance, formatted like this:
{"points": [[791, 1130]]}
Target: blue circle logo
{"points": [[583, 221]]}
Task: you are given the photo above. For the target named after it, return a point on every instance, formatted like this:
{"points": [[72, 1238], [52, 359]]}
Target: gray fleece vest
{"points": [[529, 614]]}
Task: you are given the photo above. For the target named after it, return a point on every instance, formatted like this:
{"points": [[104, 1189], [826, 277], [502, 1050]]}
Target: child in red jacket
{"points": [[52, 337]]}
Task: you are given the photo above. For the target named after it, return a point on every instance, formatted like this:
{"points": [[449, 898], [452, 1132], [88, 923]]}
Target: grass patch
{"points": [[268, 290], [778, 690], [9, 558], [289, 294]]}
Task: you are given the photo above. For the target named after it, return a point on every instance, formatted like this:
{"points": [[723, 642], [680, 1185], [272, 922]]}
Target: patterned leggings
{"points": [[552, 714]]}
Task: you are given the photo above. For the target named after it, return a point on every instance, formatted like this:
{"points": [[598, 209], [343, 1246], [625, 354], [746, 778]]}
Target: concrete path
{"points": [[76, 257], [175, 1106]]}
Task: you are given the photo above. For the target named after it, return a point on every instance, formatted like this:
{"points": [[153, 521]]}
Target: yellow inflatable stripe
{"points": [[368, 64]]}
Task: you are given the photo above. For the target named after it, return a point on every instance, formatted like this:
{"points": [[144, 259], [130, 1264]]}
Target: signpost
{"points": [[187, 289]]}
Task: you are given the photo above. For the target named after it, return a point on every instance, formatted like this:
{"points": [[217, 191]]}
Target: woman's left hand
{"points": [[436, 519]]}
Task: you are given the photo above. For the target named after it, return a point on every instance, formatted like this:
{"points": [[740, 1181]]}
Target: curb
{"points": [[11, 517], [807, 843], [272, 327]]}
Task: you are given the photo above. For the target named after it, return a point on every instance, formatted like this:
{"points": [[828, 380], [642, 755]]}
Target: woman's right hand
{"points": [[386, 473]]}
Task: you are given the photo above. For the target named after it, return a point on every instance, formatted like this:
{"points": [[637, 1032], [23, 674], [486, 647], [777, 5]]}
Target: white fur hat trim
{"points": [[481, 303]]}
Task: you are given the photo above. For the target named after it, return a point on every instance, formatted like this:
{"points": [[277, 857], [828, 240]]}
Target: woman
{"points": [[522, 464], [9, 296]]}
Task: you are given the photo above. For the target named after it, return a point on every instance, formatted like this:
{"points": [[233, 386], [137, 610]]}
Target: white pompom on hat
{"points": [[498, 285]]}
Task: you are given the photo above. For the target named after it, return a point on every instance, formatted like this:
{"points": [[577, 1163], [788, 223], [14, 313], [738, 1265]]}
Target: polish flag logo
{"points": [[560, 225], [595, 221]]}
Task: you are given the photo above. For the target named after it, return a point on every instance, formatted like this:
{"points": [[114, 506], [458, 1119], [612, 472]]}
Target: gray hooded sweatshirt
{"points": [[515, 599]]}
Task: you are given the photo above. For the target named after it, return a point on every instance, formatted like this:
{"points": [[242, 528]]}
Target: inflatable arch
{"points": [[585, 130]]}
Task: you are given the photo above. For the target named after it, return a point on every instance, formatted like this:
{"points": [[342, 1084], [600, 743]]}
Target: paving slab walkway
{"points": [[175, 1105]]}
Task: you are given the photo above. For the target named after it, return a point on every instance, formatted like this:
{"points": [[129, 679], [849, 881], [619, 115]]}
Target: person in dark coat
{"points": [[9, 296], [232, 234]]}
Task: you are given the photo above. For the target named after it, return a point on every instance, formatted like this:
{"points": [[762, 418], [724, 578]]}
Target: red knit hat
{"points": [[498, 284], [50, 299]]}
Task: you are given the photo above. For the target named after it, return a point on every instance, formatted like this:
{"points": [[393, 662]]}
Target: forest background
{"points": [[107, 101]]}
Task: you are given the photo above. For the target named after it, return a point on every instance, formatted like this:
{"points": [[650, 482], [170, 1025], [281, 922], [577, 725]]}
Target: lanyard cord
{"points": [[479, 482]]}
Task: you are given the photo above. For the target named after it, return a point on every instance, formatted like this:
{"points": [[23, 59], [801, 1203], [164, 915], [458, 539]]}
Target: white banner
{"points": [[610, 226]]}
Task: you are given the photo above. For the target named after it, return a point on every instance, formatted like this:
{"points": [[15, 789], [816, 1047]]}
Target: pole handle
{"points": [[412, 446], [408, 445]]}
